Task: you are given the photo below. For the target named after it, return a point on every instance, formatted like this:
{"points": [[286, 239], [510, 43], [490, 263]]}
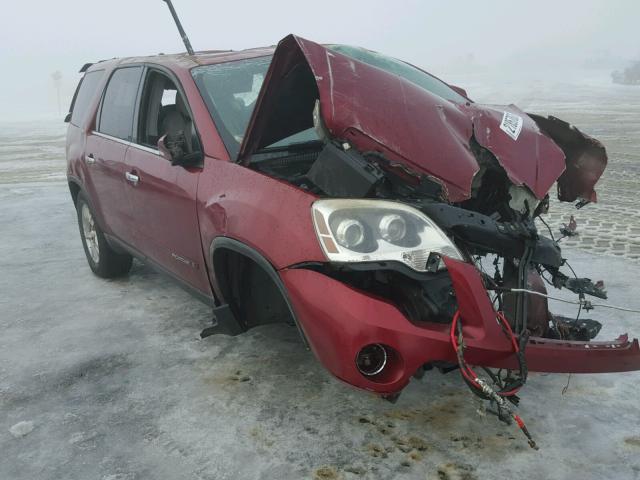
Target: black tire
{"points": [[104, 261]]}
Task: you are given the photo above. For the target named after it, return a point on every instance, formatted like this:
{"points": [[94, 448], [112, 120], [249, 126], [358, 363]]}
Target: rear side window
{"points": [[86, 92], [119, 102]]}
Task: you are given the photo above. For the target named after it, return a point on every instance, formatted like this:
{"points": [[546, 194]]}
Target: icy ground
{"points": [[109, 380]]}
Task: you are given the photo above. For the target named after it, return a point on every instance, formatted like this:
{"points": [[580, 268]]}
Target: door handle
{"points": [[89, 159], [134, 179]]}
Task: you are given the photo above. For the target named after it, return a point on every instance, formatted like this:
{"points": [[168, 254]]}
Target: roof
{"points": [[186, 61]]}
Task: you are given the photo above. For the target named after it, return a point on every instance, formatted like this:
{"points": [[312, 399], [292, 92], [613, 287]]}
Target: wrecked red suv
{"points": [[378, 209]]}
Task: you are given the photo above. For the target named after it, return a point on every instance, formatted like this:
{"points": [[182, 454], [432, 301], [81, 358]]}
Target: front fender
{"points": [[269, 216]]}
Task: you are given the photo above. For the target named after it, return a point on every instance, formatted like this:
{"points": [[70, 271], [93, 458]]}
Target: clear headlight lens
{"points": [[392, 227], [350, 233], [378, 230]]}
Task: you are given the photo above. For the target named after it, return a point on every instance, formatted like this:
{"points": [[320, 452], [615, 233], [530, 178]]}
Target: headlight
{"points": [[350, 233], [392, 227], [378, 230]]}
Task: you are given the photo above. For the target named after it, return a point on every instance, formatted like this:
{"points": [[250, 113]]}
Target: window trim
{"points": [[125, 142], [149, 68]]}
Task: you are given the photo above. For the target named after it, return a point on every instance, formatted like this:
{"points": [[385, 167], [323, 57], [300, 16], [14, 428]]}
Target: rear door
{"points": [[163, 196], [106, 149]]}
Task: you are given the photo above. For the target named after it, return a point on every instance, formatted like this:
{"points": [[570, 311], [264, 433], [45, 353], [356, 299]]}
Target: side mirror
{"points": [[164, 149], [67, 118], [173, 149]]}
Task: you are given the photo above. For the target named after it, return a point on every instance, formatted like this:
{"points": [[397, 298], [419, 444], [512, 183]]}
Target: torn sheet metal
{"points": [[586, 159], [376, 110]]}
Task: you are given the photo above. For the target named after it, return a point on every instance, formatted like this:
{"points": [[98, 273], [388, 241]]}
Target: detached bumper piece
{"points": [[542, 354]]}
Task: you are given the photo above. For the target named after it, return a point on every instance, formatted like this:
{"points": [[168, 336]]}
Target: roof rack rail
{"points": [[85, 67]]}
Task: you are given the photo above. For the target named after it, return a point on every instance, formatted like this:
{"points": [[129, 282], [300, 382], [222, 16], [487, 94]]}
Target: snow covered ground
{"points": [[109, 380]]}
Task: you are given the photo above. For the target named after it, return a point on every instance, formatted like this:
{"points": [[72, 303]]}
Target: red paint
{"points": [[339, 320], [181, 211], [533, 159], [429, 134], [586, 159], [268, 215], [104, 183], [163, 205]]}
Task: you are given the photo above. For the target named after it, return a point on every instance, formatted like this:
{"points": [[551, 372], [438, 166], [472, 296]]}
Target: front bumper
{"points": [[339, 320]]}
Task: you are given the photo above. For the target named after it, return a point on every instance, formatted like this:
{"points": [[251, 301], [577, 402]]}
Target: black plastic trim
{"points": [[249, 252], [75, 180]]}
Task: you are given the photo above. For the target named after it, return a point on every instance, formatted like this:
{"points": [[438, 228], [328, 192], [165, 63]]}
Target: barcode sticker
{"points": [[511, 124]]}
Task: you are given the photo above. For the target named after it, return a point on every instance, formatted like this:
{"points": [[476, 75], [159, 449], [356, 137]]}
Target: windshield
{"points": [[402, 69], [230, 91]]}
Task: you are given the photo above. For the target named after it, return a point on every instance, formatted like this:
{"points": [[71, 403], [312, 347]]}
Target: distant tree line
{"points": [[630, 75]]}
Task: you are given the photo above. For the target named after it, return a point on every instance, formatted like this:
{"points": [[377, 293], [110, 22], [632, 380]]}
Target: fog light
{"points": [[372, 359]]}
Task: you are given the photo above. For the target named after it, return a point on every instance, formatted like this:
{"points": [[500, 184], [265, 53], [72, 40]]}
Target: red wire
{"points": [[467, 371], [512, 336], [470, 375], [464, 368]]}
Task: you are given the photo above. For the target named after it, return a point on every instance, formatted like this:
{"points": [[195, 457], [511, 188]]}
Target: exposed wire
{"points": [[579, 311], [582, 303], [467, 372], [481, 387], [566, 387], [548, 227], [570, 268], [549, 282]]}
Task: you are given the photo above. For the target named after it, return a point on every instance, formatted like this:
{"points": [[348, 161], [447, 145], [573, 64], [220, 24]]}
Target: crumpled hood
{"points": [[377, 110]]}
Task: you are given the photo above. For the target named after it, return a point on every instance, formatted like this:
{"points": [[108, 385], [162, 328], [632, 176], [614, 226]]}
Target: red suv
{"points": [[378, 209]]}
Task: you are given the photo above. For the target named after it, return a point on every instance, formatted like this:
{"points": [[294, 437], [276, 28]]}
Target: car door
{"points": [[163, 196], [106, 149]]}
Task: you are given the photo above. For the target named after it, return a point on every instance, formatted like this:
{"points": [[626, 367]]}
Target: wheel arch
{"points": [[76, 188], [220, 252]]}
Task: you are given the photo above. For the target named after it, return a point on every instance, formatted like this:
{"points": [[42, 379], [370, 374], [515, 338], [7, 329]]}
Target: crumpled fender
{"points": [[586, 159], [532, 159], [377, 110]]}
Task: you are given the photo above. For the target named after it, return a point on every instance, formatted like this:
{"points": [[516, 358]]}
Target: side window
{"points": [[119, 102], [164, 112], [85, 93]]}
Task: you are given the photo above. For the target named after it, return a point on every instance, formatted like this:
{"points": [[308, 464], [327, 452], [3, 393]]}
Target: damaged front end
{"points": [[428, 202]]}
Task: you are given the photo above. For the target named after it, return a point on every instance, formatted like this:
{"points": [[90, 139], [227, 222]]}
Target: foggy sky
{"points": [[41, 36]]}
